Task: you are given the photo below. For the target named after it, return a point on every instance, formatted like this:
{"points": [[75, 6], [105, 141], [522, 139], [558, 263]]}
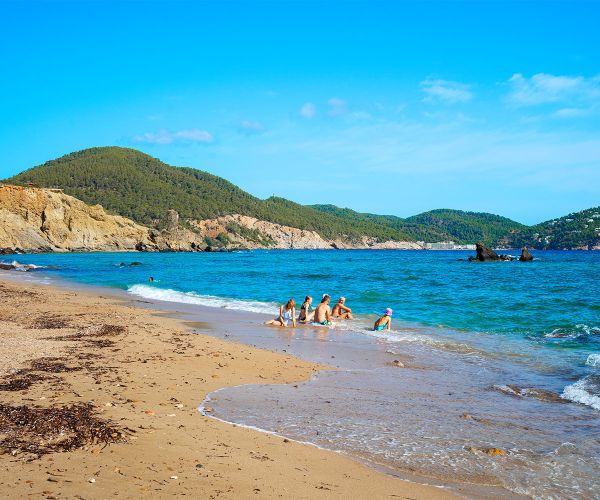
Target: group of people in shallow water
{"points": [[322, 314]]}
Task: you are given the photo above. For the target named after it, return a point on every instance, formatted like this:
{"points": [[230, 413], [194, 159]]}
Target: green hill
{"points": [[135, 185], [131, 183], [438, 225], [576, 230], [467, 227]]}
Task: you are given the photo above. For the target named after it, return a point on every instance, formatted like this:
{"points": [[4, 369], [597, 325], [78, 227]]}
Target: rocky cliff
{"points": [[41, 220], [47, 220], [248, 232]]}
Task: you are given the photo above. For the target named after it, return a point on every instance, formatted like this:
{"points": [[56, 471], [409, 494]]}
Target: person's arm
{"points": [[345, 309], [389, 325], [281, 314], [294, 317], [328, 314]]}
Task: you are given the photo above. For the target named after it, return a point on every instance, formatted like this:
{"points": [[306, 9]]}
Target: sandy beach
{"points": [[99, 400]]}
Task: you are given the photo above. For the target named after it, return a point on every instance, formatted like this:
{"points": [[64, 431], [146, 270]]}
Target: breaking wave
{"points": [[168, 295], [585, 391]]}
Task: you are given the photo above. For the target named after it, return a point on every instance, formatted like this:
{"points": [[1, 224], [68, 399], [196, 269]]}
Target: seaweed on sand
{"points": [[51, 365], [51, 322], [20, 381], [90, 334], [39, 430]]}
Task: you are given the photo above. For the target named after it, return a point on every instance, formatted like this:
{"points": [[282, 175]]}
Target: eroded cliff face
{"points": [[40, 220], [47, 220], [248, 232]]}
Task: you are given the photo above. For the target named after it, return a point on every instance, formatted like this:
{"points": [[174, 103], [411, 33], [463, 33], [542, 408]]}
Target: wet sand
{"points": [[123, 384]]}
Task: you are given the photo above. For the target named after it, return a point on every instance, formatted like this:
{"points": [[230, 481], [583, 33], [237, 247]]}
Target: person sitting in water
{"points": [[323, 312], [287, 315], [385, 322], [341, 311], [305, 315]]}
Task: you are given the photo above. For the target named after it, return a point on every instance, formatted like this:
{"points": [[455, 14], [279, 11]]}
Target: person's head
{"points": [[290, 303], [307, 299], [342, 300], [326, 298], [388, 312], [150, 279]]}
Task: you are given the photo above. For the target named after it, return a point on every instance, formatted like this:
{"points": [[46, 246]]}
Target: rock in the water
{"points": [[7, 267], [525, 255], [484, 254]]}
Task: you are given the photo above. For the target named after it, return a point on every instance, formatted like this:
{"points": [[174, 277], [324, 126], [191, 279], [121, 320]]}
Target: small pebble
{"points": [[92, 480]]}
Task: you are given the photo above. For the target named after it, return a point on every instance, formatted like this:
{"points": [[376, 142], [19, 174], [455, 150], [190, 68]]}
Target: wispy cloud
{"points": [[445, 91], [337, 107], [251, 127], [308, 110], [165, 137], [543, 88]]}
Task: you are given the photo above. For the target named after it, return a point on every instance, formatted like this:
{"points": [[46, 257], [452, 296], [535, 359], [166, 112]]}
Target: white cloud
{"points": [[445, 91], [165, 137], [251, 127], [571, 112], [337, 107], [308, 110], [543, 88]]}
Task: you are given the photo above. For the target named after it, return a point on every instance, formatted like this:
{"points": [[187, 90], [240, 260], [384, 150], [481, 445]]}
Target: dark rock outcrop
{"points": [[525, 255], [485, 254]]}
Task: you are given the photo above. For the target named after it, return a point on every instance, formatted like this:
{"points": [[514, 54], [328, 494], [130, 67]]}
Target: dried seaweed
{"points": [[51, 322], [20, 381], [87, 335], [39, 430], [51, 365]]}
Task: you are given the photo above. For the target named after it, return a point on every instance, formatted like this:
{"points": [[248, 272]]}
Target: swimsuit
{"points": [[323, 323], [286, 317], [378, 328], [304, 310]]}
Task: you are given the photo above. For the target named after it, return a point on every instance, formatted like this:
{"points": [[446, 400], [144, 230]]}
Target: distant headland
{"points": [[119, 199]]}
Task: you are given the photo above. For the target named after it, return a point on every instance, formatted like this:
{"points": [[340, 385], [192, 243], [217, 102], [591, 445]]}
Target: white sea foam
{"points": [[593, 360], [168, 295], [579, 393], [23, 267]]}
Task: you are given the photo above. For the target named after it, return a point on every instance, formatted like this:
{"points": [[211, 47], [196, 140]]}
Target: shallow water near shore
{"points": [[502, 355]]}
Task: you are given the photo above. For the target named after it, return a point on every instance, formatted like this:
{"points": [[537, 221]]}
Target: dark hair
{"points": [[325, 298], [307, 298], [290, 303]]}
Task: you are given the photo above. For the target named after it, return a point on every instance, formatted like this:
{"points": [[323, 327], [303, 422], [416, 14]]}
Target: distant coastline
{"points": [[119, 199]]}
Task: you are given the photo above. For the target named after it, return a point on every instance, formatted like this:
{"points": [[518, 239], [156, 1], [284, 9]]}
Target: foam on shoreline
{"points": [[169, 295]]}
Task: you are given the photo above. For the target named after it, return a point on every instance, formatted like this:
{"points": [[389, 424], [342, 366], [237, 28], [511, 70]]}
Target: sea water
{"points": [[499, 355]]}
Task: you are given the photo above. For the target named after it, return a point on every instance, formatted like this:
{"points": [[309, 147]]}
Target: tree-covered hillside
{"points": [[131, 183], [576, 230], [438, 225], [467, 227]]}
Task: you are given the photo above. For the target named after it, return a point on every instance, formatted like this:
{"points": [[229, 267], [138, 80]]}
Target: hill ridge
{"points": [[133, 184]]}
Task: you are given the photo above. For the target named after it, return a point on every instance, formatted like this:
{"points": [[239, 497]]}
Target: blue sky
{"points": [[385, 107]]}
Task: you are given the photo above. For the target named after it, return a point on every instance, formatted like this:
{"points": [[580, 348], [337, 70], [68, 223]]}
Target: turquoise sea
{"points": [[505, 354]]}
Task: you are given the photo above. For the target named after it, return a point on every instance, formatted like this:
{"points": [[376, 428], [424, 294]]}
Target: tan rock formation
{"points": [[34, 219], [260, 233], [47, 220]]}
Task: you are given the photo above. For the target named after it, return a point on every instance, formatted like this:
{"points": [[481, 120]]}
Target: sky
{"points": [[389, 107]]}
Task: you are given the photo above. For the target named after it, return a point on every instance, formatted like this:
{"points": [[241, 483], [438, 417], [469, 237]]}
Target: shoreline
{"points": [[321, 471]]}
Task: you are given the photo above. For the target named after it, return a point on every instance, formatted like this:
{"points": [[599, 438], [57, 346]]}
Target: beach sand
{"points": [[142, 376]]}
